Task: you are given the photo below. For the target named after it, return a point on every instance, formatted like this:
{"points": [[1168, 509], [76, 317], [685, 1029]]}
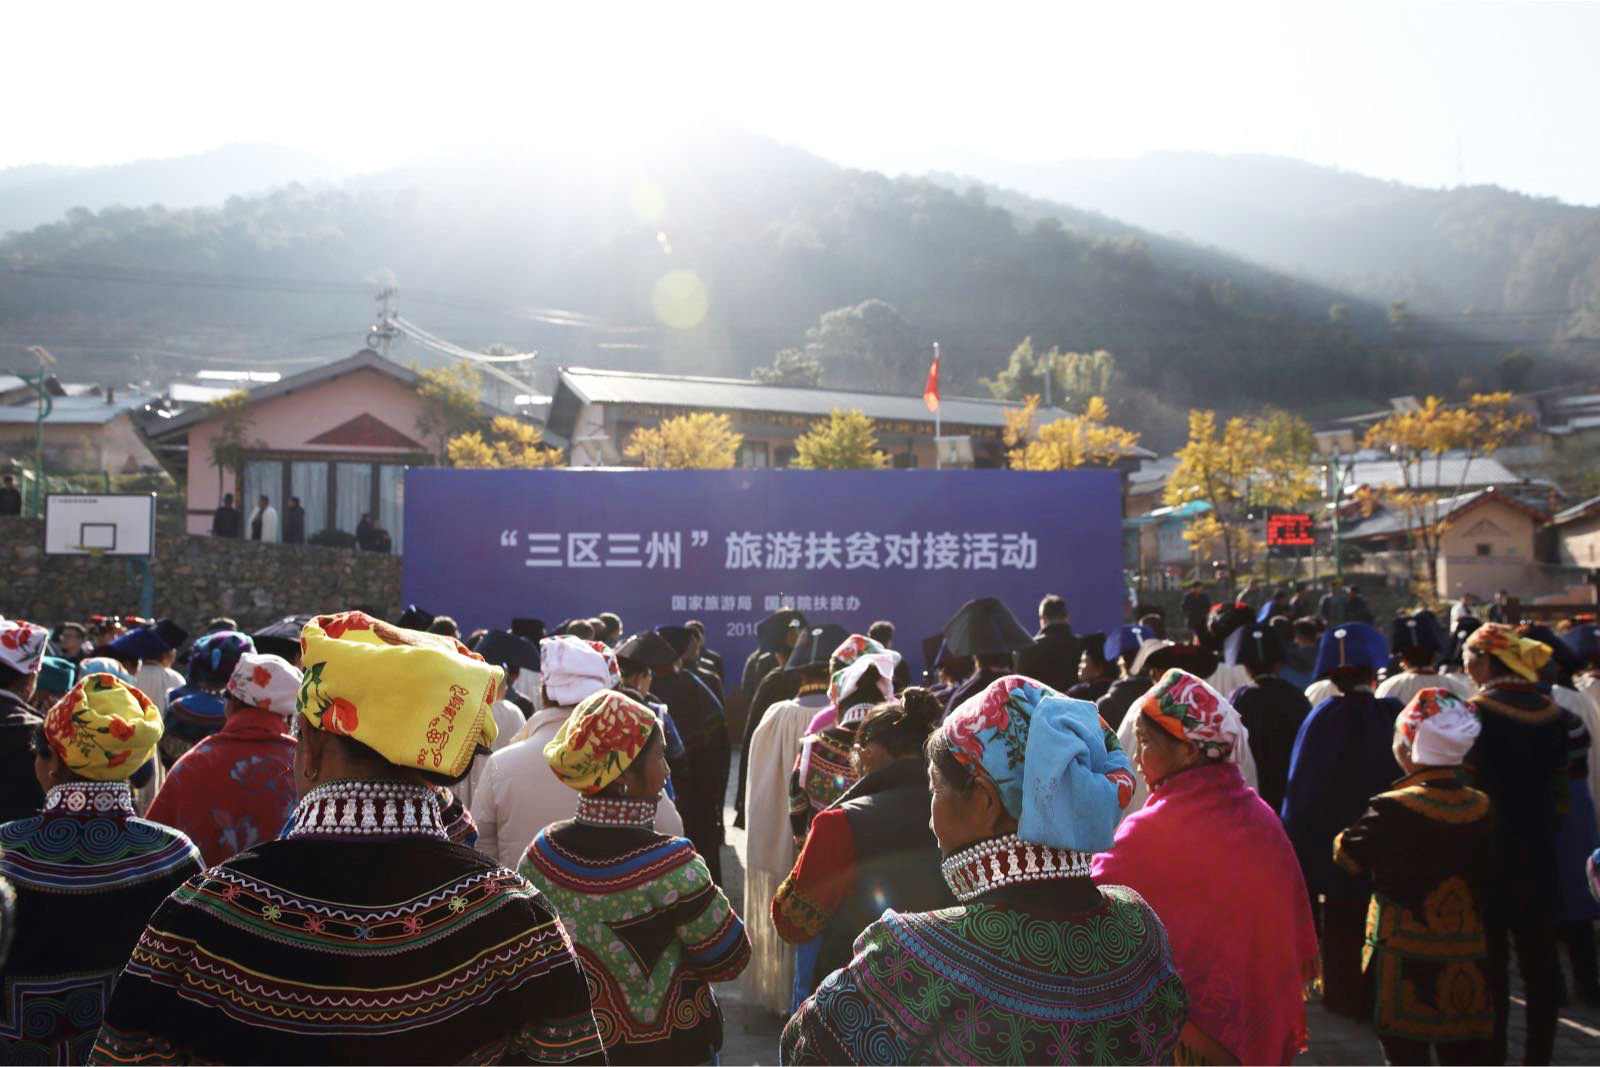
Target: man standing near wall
{"points": [[225, 520], [10, 497], [294, 523]]}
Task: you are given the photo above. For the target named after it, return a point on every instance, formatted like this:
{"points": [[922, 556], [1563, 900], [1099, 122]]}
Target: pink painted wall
{"points": [[287, 423]]}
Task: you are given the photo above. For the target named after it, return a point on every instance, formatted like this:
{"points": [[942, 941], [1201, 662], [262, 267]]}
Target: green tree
{"points": [[510, 444], [231, 447], [868, 346], [792, 366], [1292, 436], [1082, 376], [1023, 374], [450, 404], [699, 440], [845, 440]]}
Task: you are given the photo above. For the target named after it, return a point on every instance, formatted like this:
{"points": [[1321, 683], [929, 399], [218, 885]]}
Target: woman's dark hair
{"points": [[614, 787], [950, 769], [1345, 679], [9, 676], [902, 725], [39, 744], [368, 754], [865, 692]]}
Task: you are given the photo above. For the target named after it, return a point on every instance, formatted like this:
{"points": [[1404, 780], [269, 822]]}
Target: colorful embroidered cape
{"points": [[234, 789], [822, 772], [652, 931], [980, 983], [1428, 845], [87, 874], [1245, 979], [363, 936]]}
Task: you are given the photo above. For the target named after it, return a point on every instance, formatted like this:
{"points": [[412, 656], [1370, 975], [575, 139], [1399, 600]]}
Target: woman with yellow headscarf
{"points": [[87, 871], [652, 928], [1520, 760], [363, 934]]}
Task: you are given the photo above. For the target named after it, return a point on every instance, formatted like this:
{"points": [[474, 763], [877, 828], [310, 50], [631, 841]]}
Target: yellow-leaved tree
{"points": [[1242, 469], [1435, 445], [844, 441], [1086, 440], [700, 440], [510, 444]]}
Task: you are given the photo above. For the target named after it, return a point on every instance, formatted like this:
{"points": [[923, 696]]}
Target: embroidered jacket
{"points": [[87, 874], [1428, 845], [651, 929], [363, 936]]}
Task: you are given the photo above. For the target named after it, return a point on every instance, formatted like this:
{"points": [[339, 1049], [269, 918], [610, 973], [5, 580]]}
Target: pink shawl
{"points": [[1213, 861]]}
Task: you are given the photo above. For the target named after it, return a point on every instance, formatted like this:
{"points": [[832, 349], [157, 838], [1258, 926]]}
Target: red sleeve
{"points": [[821, 877]]}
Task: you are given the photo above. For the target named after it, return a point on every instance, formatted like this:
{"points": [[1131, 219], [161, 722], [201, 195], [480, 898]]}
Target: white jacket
{"points": [[518, 794]]}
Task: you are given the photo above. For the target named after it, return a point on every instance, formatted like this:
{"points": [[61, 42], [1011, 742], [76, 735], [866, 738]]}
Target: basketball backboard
{"points": [[110, 524]]}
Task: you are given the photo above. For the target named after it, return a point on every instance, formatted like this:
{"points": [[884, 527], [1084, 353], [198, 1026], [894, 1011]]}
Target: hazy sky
{"points": [[1383, 89]]}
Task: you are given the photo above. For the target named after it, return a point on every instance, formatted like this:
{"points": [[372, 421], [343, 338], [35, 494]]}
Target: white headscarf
{"points": [[573, 668], [1439, 726]]}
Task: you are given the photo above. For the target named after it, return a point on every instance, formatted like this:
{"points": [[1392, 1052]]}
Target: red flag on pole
{"points": [[930, 391]]}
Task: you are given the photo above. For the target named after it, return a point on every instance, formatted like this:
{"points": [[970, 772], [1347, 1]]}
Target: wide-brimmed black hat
{"points": [[679, 637], [772, 631], [816, 645], [532, 629], [281, 638], [648, 649], [506, 649], [414, 618], [984, 627]]}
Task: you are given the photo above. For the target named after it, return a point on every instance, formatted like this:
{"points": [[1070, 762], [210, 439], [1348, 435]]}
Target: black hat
{"points": [[414, 618], [816, 646], [772, 631], [1420, 631], [678, 637], [1464, 628], [170, 632], [506, 649], [648, 649], [143, 642], [1256, 646], [281, 638], [1196, 659], [1094, 646], [984, 627], [1564, 658], [532, 629]]}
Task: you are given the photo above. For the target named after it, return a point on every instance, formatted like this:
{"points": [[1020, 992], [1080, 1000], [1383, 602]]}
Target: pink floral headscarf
{"points": [[1190, 710]]}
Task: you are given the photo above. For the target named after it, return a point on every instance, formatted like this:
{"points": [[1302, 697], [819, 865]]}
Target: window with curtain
{"points": [[309, 482], [261, 476], [391, 503], [352, 487]]}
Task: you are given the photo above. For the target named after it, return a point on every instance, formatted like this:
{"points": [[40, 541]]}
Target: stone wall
{"points": [[195, 578]]}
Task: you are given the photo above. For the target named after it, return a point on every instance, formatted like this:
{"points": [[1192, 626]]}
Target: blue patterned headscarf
{"points": [[1057, 766], [215, 655]]}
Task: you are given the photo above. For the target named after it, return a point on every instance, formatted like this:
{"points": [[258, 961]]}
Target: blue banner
{"points": [[731, 547]]}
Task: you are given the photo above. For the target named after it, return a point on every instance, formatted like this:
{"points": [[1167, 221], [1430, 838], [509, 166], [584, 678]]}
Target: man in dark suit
{"points": [[294, 523], [1053, 656]]}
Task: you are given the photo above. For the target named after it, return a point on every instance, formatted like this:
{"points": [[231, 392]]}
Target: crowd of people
{"points": [[343, 839]]}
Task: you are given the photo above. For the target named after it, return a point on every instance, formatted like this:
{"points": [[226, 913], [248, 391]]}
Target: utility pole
{"points": [[45, 406], [384, 332]]}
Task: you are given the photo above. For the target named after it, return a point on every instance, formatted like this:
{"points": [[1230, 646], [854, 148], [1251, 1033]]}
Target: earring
{"points": [[311, 773], [624, 788]]}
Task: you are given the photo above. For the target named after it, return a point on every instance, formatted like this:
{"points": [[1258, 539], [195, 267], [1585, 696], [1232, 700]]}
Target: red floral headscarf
{"points": [[600, 739]]}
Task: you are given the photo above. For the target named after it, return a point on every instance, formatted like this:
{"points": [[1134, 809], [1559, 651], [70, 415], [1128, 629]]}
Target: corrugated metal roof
{"points": [[73, 410], [1446, 474], [1576, 511], [1392, 523], [737, 394]]}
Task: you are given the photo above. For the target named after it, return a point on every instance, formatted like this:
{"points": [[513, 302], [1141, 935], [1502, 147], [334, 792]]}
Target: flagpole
{"points": [[938, 456]]}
